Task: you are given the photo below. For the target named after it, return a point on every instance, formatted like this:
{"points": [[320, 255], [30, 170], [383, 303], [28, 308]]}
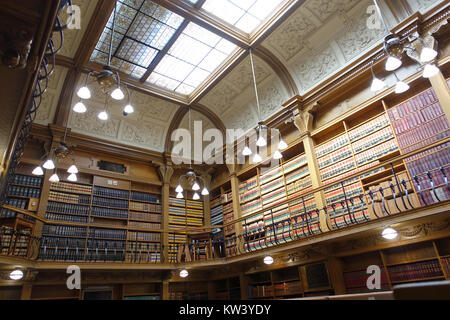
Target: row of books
{"points": [[337, 169], [415, 271], [302, 206], [248, 185], [17, 203], [424, 131], [304, 185], [446, 266], [62, 243], [107, 212], [66, 218], [336, 156], [351, 172], [114, 193], [427, 142], [417, 119], [143, 236], [107, 233], [369, 127], [147, 197], [217, 211], [147, 207], [294, 164], [414, 104], [62, 255], [24, 192], [346, 219], [249, 195], [27, 180], [177, 202], [373, 140], [64, 231], [71, 187], [59, 207], [338, 194], [297, 175], [251, 206], [331, 145], [69, 198], [376, 152], [144, 257], [144, 225], [268, 175], [106, 202], [105, 244], [431, 159], [272, 185], [145, 216], [143, 246], [356, 281], [271, 198]]}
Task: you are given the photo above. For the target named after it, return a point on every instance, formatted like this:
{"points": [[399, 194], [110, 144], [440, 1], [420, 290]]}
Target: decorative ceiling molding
{"points": [[175, 124], [65, 98]]}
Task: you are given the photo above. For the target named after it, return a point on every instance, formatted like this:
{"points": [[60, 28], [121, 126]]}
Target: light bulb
{"points": [[401, 87], [196, 187], [268, 260], [128, 109], [428, 55], [38, 171], [117, 94], [205, 192], [180, 195], [393, 63], [196, 196], [389, 234], [179, 189], [282, 145], [184, 273], [430, 70], [261, 142], [16, 275], [277, 155], [79, 108], [257, 158], [103, 116], [73, 177], [84, 93], [377, 85], [49, 164], [247, 152], [73, 169], [54, 178]]}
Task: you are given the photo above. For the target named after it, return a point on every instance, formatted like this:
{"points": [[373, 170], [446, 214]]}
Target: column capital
{"points": [[166, 171]]}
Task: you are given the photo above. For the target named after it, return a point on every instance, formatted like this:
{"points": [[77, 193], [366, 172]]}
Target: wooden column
{"points": [[166, 172], [336, 274], [165, 290], [243, 281], [303, 122], [440, 86], [207, 202], [26, 291], [236, 201]]}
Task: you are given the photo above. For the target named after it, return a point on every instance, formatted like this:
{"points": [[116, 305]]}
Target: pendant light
{"points": [[38, 171], [80, 107], [430, 71], [401, 86], [49, 164], [389, 234]]}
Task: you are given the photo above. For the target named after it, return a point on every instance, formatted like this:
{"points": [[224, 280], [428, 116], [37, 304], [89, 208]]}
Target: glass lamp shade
{"points": [[282, 145], [247, 152], [49, 164], [196, 196], [268, 260], [73, 169], [196, 187], [128, 109], [401, 87], [389, 234], [80, 107], [117, 94], [54, 178], [205, 192], [84, 93], [179, 189], [184, 273], [261, 142], [38, 171], [16, 275], [180, 195], [377, 85], [393, 63], [427, 55], [430, 70], [73, 178], [103, 116], [277, 155], [257, 158]]}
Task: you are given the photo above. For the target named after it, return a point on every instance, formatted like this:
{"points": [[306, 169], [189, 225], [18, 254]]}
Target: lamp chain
{"points": [[254, 83]]}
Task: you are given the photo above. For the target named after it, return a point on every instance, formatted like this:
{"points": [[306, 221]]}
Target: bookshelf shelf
{"points": [[25, 185], [418, 280]]}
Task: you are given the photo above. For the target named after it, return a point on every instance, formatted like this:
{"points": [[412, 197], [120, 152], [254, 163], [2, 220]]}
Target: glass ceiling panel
{"points": [[191, 59], [142, 30], [246, 15]]}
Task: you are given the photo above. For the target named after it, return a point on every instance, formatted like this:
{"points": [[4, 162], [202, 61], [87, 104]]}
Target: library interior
{"points": [[225, 150]]}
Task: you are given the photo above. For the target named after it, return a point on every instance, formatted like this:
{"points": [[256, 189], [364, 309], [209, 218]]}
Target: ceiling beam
{"points": [[207, 21]]}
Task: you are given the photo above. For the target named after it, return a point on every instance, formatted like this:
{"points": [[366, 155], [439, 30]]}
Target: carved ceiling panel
{"points": [[423, 5], [145, 128]]}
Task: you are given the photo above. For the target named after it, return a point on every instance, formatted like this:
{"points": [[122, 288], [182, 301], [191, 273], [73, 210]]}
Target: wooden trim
{"points": [[65, 98]]}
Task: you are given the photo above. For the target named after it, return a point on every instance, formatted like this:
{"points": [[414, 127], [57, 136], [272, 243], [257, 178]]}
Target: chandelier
{"points": [[261, 129], [394, 47], [191, 178], [109, 81]]}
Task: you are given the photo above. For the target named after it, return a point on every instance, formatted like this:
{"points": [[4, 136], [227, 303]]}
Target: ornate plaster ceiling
{"points": [[316, 41]]}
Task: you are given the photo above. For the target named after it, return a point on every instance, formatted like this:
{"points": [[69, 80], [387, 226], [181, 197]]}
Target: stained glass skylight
{"points": [[191, 59], [246, 15], [142, 30]]}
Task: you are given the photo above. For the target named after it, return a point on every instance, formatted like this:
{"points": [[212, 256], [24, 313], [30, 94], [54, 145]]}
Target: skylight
{"points": [[246, 15], [143, 29], [192, 58]]}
